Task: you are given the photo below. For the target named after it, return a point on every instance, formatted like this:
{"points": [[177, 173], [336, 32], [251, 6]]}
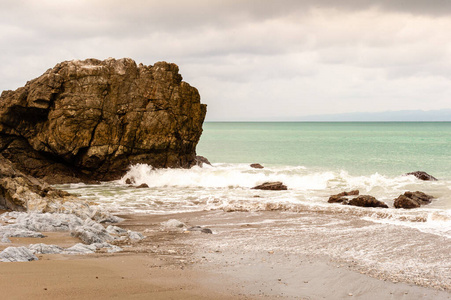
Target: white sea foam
{"points": [[228, 187]]}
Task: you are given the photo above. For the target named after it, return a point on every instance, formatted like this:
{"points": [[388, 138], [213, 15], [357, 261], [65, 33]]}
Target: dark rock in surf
{"points": [[342, 197], [142, 186], [337, 199], [412, 200], [422, 176], [256, 166], [351, 193], [273, 186], [366, 201], [89, 120], [129, 181]]}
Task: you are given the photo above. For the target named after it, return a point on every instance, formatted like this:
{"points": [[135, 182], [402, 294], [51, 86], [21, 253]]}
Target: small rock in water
{"points": [[412, 200], [337, 199], [256, 166], [273, 186], [206, 230], [142, 186], [341, 197], [367, 201], [12, 254], [422, 175], [129, 181]]}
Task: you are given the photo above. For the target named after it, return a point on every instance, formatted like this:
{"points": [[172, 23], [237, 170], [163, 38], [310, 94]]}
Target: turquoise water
{"points": [[360, 148], [314, 161]]}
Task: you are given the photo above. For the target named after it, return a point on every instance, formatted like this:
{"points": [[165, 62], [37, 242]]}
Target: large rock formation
{"points": [[89, 120]]}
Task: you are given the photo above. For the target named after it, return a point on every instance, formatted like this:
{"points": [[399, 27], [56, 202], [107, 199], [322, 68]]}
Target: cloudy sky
{"points": [[250, 59]]}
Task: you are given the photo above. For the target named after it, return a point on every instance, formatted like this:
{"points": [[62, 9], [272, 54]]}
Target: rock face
{"points": [[89, 120], [422, 176], [274, 186], [412, 200]]}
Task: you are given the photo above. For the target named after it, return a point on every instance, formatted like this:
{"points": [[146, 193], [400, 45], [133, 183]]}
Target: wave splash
{"points": [[241, 175]]}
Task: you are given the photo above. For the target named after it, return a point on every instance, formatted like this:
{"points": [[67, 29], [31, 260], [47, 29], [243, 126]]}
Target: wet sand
{"points": [[249, 256]]}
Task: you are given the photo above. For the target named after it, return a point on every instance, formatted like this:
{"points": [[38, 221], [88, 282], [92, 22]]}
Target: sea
{"points": [[313, 159]]}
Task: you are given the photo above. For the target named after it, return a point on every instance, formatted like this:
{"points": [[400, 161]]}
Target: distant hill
{"points": [[386, 116]]}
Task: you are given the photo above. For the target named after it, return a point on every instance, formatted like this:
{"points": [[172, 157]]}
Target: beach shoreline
{"points": [[244, 258]]}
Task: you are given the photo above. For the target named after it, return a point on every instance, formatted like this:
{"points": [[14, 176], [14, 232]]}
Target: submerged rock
{"points": [[412, 200], [89, 120], [422, 176], [274, 186], [13, 254], [366, 201], [256, 166]]}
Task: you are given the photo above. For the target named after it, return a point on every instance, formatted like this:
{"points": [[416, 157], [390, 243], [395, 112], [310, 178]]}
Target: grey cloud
{"points": [[282, 57]]}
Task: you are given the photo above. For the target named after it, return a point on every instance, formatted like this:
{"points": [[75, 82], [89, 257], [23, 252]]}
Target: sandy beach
{"points": [[248, 256]]}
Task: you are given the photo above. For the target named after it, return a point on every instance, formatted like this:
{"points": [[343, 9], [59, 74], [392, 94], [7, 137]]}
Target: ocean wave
{"points": [[295, 177], [228, 187]]}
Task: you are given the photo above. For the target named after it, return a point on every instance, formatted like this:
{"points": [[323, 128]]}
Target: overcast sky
{"points": [[250, 60]]}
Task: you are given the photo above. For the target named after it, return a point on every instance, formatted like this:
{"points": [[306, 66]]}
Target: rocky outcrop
{"points": [[273, 186], [412, 200], [22, 192], [422, 176], [256, 166], [89, 120], [25, 193]]}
